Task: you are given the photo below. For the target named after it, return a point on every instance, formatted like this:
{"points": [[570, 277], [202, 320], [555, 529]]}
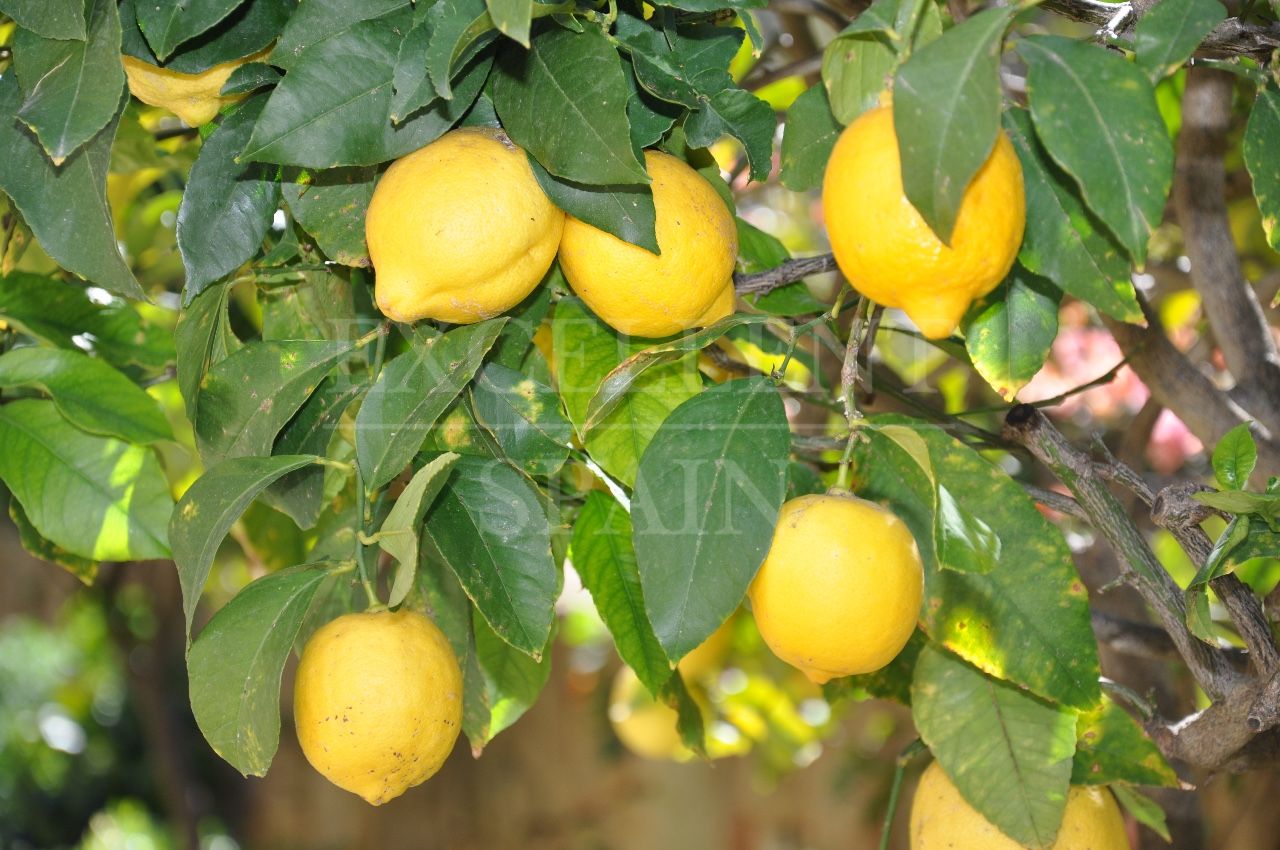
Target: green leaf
{"points": [[411, 85], [689, 721], [398, 535], [1234, 458], [810, 135], [412, 392], [586, 352], [1064, 241], [333, 107], [512, 679], [1143, 809], [236, 664], [564, 101], [72, 87], [524, 417], [856, 68], [88, 392], [490, 528], [964, 542], [49, 18], [620, 380], [1096, 115], [249, 29], [203, 338], [1111, 747], [524, 321], [606, 561], [166, 25], [65, 206], [1009, 333], [209, 508], [330, 205], [247, 398], [449, 607], [96, 497], [706, 501], [459, 29], [38, 546], [1027, 620], [740, 114], [626, 211], [512, 18], [227, 208], [1222, 559], [1265, 505], [1008, 753], [318, 21], [1168, 33], [946, 112], [1261, 141], [250, 77]]}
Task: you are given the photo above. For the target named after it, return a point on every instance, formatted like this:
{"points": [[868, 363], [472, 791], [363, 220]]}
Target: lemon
{"points": [[644, 725], [459, 230], [839, 591], [378, 702], [690, 284], [942, 820], [886, 250], [192, 97]]}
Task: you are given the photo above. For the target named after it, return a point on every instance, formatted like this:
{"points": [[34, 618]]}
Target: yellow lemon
{"points": [[688, 285], [943, 820], [644, 725], [460, 230], [839, 591], [886, 250], [192, 97], [378, 702], [706, 659]]}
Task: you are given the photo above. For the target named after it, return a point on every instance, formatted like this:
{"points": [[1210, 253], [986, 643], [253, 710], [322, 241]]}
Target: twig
{"points": [[1059, 502], [789, 272], [1231, 37]]}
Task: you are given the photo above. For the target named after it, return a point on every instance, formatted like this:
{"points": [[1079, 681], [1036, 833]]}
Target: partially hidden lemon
{"points": [[644, 725], [194, 98], [941, 819], [839, 591], [460, 230], [689, 284], [888, 252], [378, 702]]}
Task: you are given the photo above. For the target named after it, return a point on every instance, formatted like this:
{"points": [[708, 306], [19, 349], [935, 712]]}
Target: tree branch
{"points": [[1232, 37], [789, 272]]}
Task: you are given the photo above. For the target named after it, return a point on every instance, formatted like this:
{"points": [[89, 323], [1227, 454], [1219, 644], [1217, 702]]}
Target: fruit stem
{"points": [[364, 511], [849, 383], [899, 768]]}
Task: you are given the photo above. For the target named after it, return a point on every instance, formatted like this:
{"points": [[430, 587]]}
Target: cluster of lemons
{"points": [[460, 231]]}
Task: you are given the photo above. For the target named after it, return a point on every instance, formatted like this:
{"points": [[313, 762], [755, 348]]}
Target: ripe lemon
{"points": [[943, 820], [690, 284], [839, 591], [192, 97], [886, 250], [378, 702], [644, 725], [460, 230]]}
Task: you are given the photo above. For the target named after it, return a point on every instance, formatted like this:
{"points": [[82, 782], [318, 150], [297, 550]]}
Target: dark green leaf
{"points": [[689, 720], [72, 87], [247, 398], [203, 338], [166, 25], [740, 114], [1111, 747], [524, 417], [512, 18], [458, 28], [490, 528], [250, 77], [449, 607], [1261, 141], [65, 206], [1008, 753], [1096, 115], [512, 679], [713, 5], [96, 497], [1064, 241], [49, 18], [249, 29], [227, 207], [1169, 32], [586, 351], [411, 85], [946, 113], [398, 535], [236, 664], [330, 205], [412, 392], [88, 392], [318, 21], [209, 508], [1234, 458], [810, 134], [606, 561], [650, 118], [706, 499], [759, 251], [1009, 333], [564, 101], [1143, 809], [626, 211], [41, 547]]}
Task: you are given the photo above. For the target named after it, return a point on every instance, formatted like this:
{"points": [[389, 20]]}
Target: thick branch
{"points": [[789, 272], [1138, 565], [1232, 37], [1230, 303]]}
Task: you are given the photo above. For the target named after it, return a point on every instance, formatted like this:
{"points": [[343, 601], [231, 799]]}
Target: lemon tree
{"points": [[390, 323]]}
